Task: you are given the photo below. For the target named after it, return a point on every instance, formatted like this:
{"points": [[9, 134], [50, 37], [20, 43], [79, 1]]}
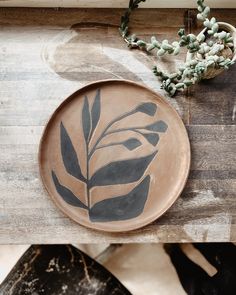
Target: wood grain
{"points": [[46, 55]]}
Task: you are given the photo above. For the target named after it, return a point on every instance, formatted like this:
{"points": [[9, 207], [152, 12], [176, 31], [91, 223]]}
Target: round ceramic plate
{"points": [[114, 156]]}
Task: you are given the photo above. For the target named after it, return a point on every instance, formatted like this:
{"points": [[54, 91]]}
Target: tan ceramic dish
{"points": [[114, 156]]}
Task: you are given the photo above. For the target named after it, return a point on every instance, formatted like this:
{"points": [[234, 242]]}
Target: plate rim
{"points": [[168, 204]]}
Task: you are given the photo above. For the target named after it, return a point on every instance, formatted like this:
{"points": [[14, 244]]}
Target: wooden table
{"points": [[45, 55]]}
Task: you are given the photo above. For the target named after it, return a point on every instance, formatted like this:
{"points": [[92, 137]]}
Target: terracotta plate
{"points": [[114, 156]]}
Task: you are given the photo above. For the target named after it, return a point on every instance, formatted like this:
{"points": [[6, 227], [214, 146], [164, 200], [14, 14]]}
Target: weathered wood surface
{"points": [[47, 54]]}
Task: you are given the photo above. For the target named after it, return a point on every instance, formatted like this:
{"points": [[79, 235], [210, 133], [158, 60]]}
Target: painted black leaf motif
{"points": [[132, 143], [86, 120], [122, 207], [67, 194], [159, 126], [121, 172], [148, 108], [95, 112], [152, 138], [69, 156]]}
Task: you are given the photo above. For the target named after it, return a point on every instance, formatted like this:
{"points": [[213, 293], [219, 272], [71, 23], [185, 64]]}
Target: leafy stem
{"points": [[87, 176], [158, 126], [109, 144], [104, 132], [213, 48], [148, 108], [130, 144]]}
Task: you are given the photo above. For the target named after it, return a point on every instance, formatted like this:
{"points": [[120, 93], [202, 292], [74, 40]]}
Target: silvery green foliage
{"points": [[206, 51]]}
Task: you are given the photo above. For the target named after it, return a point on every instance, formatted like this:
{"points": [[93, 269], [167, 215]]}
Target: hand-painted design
{"points": [[121, 172], [130, 144], [152, 138], [95, 112], [67, 194], [69, 156], [86, 120], [126, 171], [122, 207]]}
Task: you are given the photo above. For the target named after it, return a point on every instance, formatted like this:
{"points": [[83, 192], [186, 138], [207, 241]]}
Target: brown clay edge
{"points": [[69, 98]]}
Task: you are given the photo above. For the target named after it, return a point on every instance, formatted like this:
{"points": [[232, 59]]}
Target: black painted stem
{"points": [[87, 183], [109, 144], [104, 133]]}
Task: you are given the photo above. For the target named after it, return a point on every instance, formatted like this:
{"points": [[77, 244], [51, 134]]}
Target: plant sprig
{"points": [[207, 52]]}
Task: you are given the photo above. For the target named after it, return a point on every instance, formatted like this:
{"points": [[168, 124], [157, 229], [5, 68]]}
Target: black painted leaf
{"points": [[67, 194], [132, 143], [148, 108], [159, 126], [122, 207], [69, 156], [95, 112], [152, 138], [86, 120], [121, 172]]}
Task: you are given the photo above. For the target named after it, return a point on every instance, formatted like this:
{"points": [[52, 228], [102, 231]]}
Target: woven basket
{"points": [[227, 53]]}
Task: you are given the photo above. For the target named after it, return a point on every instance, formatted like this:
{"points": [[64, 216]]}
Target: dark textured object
{"points": [[195, 280], [58, 270], [108, 165]]}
